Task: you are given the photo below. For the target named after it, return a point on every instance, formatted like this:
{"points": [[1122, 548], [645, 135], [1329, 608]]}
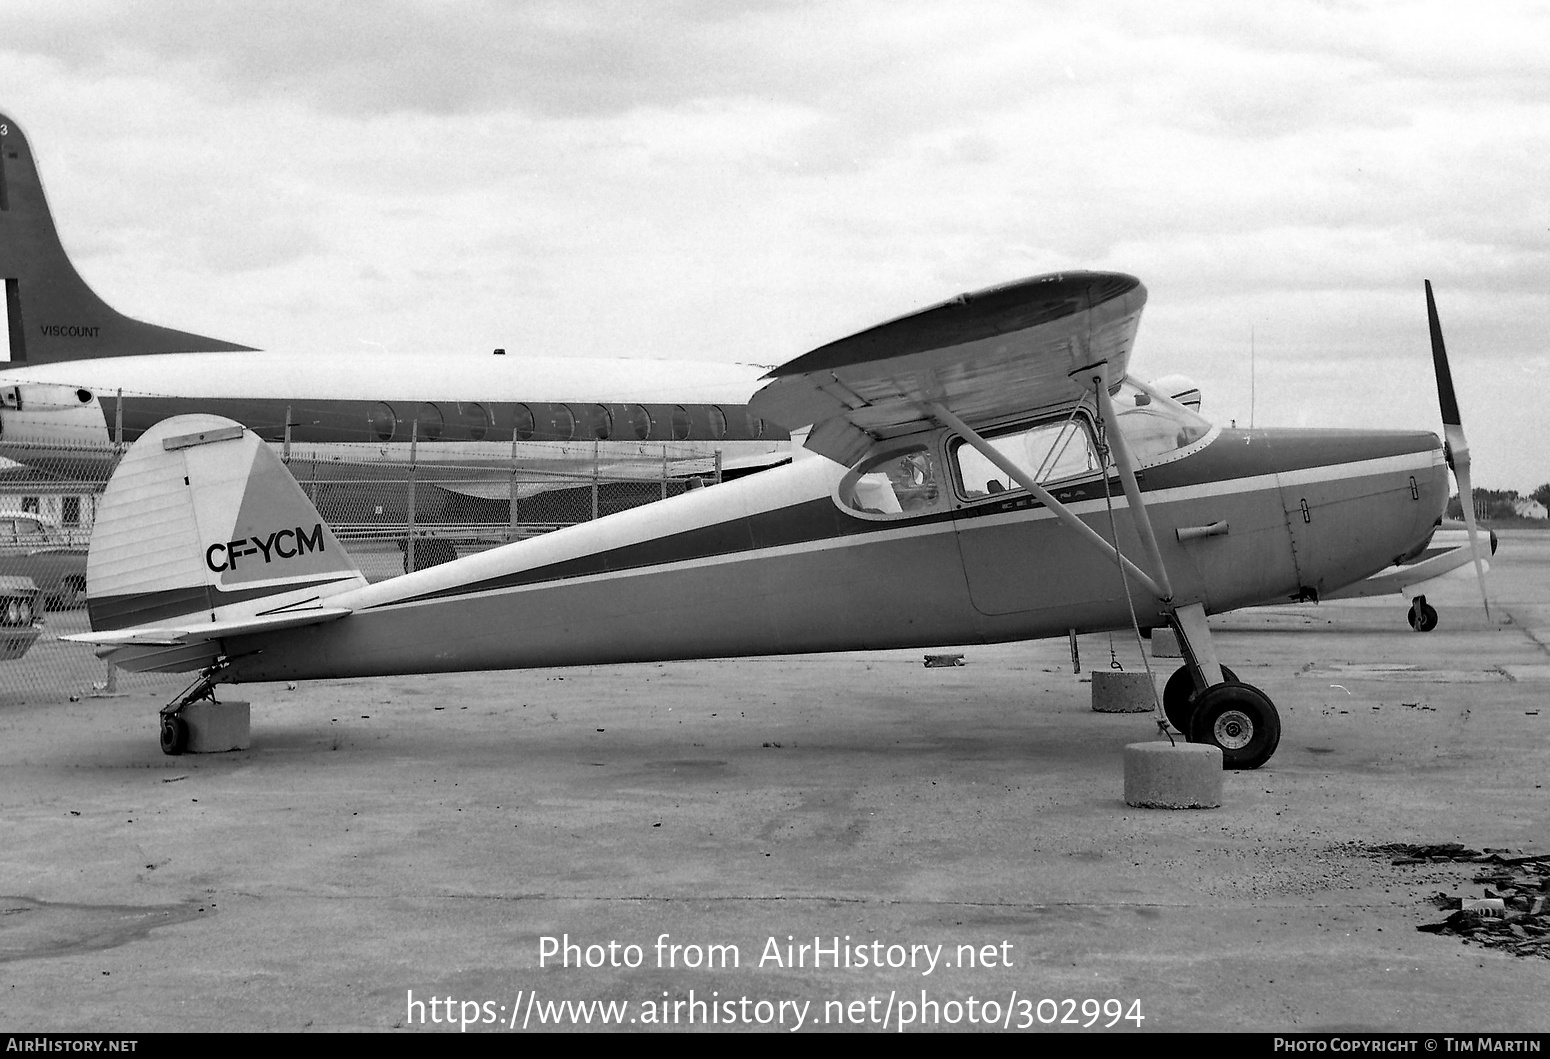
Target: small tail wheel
{"points": [[1423, 616], [1178, 695], [1240, 720], [174, 735]]}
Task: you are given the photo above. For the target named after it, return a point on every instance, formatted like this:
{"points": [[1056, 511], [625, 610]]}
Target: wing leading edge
{"points": [[983, 356]]}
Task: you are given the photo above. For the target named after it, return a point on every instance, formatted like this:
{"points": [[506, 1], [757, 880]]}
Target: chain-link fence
{"points": [[394, 514]]}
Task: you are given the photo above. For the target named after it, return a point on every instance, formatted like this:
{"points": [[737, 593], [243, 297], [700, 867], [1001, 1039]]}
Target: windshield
{"points": [[1156, 428]]}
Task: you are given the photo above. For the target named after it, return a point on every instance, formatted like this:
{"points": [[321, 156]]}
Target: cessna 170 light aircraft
{"points": [[79, 376], [982, 470]]}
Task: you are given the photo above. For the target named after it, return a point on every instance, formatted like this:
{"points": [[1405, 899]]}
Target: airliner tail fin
{"points": [[50, 312]]}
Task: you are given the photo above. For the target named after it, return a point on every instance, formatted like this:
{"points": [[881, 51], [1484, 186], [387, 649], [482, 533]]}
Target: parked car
{"points": [[35, 546], [18, 617]]}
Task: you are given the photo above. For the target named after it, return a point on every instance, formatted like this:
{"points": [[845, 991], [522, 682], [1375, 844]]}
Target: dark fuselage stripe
{"points": [[108, 613], [821, 519]]}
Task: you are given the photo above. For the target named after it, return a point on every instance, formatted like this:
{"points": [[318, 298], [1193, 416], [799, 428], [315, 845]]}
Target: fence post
{"points": [[595, 471], [664, 470], [118, 423], [511, 534], [285, 452], [718, 466], [414, 443]]}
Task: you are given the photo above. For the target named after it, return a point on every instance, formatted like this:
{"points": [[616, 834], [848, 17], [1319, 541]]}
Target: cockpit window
{"points": [[1050, 451], [1154, 426], [899, 483]]}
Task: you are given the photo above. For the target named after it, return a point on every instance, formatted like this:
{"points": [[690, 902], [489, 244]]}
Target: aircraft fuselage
{"points": [[777, 563], [455, 407]]}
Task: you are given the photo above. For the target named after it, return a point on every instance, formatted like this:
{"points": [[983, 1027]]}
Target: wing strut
{"points": [[1189, 619], [1060, 511], [1127, 479]]}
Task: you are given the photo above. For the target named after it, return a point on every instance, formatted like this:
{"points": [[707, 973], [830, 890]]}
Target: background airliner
{"points": [[79, 376]]}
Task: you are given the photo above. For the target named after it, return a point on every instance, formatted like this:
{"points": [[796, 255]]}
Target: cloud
{"points": [[749, 180]]}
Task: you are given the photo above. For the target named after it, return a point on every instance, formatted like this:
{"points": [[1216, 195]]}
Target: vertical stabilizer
{"points": [[201, 522], [51, 314]]}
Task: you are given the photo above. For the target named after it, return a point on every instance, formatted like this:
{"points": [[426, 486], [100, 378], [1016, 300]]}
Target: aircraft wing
{"points": [[1448, 551], [985, 355], [179, 635]]}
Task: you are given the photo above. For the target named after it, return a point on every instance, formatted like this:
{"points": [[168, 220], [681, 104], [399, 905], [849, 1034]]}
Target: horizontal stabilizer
{"points": [[175, 635]]}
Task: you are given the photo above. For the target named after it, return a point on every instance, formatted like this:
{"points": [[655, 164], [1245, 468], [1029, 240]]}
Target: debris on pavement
{"points": [[1512, 911]]}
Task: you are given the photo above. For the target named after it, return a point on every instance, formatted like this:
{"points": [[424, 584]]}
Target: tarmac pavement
{"points": [[393, 842]]}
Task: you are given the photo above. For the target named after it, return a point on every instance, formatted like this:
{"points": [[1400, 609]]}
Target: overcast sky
{"points": [[727, 180]]}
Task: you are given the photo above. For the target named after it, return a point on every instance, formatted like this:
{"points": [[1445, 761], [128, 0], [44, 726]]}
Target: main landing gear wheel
{"points": [[1240, 720], [174, 734], [1177, 696], [1423, 616]]}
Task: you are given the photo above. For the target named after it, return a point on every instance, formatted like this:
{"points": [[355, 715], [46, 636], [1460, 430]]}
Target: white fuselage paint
{"points": [[375, 375]]}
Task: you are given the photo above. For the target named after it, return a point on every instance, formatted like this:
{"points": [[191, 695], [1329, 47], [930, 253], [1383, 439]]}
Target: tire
{"points": [[1240, 720], [174, 735], [1177, 694], [1427, 621]]}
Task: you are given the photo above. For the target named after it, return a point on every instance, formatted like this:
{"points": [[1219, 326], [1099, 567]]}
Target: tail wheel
{"points": [[1177, 696], [174, 735], [1240, 720]]}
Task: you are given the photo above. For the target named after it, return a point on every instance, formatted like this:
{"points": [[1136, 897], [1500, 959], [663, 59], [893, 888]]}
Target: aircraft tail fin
{"points": [[203, 532], [50, 312]]}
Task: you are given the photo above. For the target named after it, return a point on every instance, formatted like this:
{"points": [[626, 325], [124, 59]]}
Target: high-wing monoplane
{"points": [[981, 470]]}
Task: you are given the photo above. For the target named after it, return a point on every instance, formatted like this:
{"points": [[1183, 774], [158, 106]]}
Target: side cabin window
{"points": [[899, 482], [1049, 451]]}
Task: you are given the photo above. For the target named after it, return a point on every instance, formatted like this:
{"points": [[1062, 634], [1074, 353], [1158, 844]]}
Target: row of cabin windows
{"points": [[907, 481], [562, 422]]}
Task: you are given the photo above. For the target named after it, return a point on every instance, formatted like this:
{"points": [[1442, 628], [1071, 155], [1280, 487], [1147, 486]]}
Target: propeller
{"points": [[1457, 450]]}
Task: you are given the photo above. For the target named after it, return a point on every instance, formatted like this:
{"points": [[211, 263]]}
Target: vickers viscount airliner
{"points": [[77, 377], [981, 470]]}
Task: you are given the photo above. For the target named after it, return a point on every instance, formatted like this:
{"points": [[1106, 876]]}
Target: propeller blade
{"points": [[1458, 445]]}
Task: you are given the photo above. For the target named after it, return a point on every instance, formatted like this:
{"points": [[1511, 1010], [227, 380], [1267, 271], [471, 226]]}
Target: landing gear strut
{"points": [[1236, 718]]}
